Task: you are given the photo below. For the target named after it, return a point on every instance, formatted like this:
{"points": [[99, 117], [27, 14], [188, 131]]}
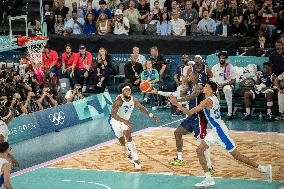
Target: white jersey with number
{"points": [[4, 130], [214, 115], [125, 110], [220, 130]]}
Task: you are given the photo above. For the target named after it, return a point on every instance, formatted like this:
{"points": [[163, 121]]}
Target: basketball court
{"points": [[104, 165]]}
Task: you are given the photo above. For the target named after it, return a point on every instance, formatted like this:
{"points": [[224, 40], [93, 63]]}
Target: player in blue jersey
{"points": [[263, 89], [218, 135], [119, 120]]}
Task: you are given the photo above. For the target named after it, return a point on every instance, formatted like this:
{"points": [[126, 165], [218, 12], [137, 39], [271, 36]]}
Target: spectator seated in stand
{"points": [[90, 27], [164, 27], [262, 89], [206, 26], [59, 25], [50, 62], [103, 24], [67, 59], [133, 71], [82, 67], [120, 23], [104, 10], [224, 29], [74, 25], [178, 25], [104, 69]]}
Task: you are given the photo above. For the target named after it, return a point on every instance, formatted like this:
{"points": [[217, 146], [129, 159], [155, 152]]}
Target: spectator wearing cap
{"points": [[206, 26], [74, 25], [120, 23], [82, 67], [164, 27], [225, 77], [90, 27], [132, 13], [103, 9], [50, 60], [178, 25]]}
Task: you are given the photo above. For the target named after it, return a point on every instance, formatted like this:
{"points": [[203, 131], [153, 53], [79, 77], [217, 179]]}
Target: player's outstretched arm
{"points": [[116, 105], [197, 90], [145, 111], [207, 103]]}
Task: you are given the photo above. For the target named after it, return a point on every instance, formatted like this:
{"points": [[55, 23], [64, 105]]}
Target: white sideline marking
{"points": [[82, 181]]}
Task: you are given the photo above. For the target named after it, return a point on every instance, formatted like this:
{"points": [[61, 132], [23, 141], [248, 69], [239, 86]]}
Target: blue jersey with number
{"points": [[202, 74]]}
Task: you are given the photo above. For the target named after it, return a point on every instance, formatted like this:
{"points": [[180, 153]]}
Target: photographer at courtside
{"points": [[120, 23], [76, 94]]}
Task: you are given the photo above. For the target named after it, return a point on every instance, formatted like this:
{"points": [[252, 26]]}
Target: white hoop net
{"points": [[35, 48]]}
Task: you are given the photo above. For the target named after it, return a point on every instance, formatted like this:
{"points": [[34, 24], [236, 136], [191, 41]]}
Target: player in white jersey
{"points": [[119, 120], [218, 135], [5, 167], [6, 115]]}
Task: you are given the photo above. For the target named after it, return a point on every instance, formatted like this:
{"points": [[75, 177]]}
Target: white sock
{"points": [[248, 110], [180, 155], [207, 175], [207, 157], [230, 110], [269, 104], [132, 148]]}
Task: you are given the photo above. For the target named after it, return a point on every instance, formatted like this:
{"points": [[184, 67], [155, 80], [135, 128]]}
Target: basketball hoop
{"points": [[35, 46]]}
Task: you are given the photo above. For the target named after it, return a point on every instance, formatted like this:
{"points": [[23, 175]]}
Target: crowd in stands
{"points": [[31, 87], [164, 17]]}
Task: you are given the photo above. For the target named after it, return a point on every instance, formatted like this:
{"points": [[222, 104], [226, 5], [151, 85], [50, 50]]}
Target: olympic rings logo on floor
{"points": [[57, 118]]}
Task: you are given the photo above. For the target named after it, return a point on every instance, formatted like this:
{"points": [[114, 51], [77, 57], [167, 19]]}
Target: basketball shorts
{"points": [[117, 127], [220, 137], [196, 123]]}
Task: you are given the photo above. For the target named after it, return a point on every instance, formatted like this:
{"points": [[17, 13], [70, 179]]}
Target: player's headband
{"points": [[126, 87]]}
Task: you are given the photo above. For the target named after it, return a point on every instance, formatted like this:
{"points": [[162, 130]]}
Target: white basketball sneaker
{"points": [[137, 164], [207, 182], [267, 171]]}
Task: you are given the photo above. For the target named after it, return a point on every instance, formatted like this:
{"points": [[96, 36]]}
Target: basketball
{"points": [[145, 86]]}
